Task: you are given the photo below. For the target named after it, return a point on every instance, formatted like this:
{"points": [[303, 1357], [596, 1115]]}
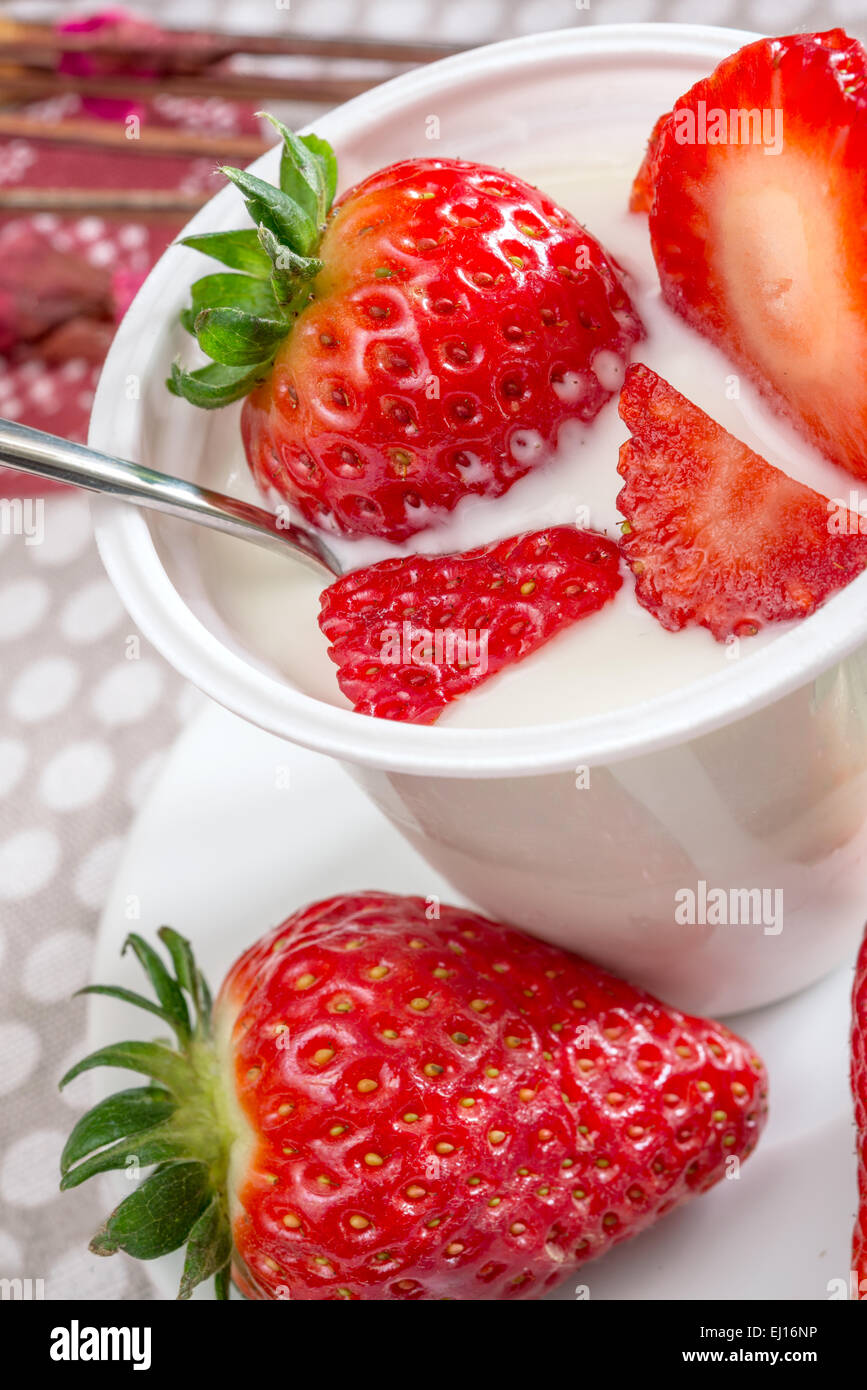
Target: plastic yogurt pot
{"points": [[691, 814]]}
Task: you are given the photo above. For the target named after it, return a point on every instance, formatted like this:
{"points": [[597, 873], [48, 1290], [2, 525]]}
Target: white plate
{"points": [[243, 828]]}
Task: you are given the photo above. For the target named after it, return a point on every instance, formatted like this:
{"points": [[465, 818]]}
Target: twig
{"points": [[186, 45], [153, 139], [29, 86], [142, 202]]}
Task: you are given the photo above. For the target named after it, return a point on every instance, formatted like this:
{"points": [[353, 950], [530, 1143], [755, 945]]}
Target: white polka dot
{"points": [[91, 613], [23, 605], [80, 1275], [19, 1049], [44, 393], [68, 531], [102, 253], [74, 369], [141, 780], [28, 1174], [13, 760], [77, 776], [132, 235], [127, 692], [43, 689], [95, 872], [11, 1256], [28, 861], [90, 228], [57, 966]]}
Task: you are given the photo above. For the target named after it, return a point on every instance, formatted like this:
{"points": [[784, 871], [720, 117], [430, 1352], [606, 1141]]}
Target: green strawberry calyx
{"points": [[178, 1125], [240, 318]]}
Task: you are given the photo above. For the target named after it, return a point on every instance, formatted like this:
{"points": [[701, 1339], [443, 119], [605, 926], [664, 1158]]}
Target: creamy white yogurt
{"points": [[615, 658]]}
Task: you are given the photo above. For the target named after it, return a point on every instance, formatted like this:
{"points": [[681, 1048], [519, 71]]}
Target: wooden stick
{"points": [[24, 86], [187, 45], [153, 140], [141, 202]]}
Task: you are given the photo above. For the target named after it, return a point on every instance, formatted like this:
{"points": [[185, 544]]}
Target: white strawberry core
{"points": [[779, 254]]}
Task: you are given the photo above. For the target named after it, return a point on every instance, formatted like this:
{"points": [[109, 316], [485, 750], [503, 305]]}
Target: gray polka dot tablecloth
{"points": [[83, 728], [82, 733]]}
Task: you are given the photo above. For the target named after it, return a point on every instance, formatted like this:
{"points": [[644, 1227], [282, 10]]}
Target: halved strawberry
{"points": [[410, 635], [716, 536], [758, 226]]}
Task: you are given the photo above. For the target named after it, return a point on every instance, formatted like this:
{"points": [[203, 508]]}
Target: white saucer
{"points": [[242, 828]]}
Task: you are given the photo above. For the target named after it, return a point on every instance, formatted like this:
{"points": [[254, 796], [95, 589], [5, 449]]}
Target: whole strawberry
{"points": [[423, 341], [859, 1092], [397, 1100], [410, 635]]}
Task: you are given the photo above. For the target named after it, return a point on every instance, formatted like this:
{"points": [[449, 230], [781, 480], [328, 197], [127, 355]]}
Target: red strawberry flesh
{"points": [[410, 635], [716, 535], [442, 1107], [641, 196]]}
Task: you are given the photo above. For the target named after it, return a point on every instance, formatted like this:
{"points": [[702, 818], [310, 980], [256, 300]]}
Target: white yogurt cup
{"points": [[593, 832]]}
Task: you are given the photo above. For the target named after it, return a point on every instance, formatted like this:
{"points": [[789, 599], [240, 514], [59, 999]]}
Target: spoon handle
{"points": [[48, 456]]}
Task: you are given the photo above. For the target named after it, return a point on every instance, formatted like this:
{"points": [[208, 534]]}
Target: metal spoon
{"points": [[48, 456]]}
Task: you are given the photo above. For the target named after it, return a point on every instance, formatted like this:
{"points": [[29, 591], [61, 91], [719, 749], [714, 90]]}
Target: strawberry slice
{"points": [[716, 536], [410, 635], [759, 189]]}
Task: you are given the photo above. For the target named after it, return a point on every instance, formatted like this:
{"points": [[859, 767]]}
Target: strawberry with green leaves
{"points": [[421, 340], [393, 1099]]}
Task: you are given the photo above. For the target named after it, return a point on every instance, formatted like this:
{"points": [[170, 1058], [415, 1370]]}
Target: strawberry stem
{"points": [[179, 1126], [240, 319]]}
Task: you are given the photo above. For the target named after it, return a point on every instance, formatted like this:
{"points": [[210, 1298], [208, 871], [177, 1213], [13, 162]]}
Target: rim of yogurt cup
{"points": [[131, 558]]}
